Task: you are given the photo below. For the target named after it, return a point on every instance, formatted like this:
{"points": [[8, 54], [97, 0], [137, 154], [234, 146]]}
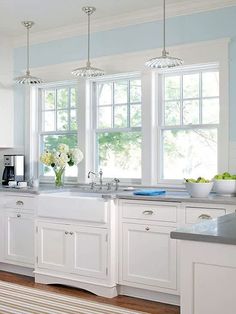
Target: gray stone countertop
{"points": [[219, 230], [180, 196], [170, 196]]}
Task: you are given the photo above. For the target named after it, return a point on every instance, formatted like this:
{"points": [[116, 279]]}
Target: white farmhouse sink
{"points": [[75, 194], [73, 205]]}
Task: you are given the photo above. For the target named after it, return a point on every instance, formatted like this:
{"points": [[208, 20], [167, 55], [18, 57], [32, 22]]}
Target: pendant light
{"points": [[164, 61], [88, 71], [28, 79]]}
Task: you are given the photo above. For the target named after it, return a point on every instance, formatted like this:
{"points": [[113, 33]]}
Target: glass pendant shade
{"points": [[88, 71], [164, 61], [28, 79]]}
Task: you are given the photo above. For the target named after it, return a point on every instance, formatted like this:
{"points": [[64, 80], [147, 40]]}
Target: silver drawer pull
{"points": [[147, 228], [66, 232], [18, 215], [148, 212], [19, 203], [204, 216], [71, 233]]}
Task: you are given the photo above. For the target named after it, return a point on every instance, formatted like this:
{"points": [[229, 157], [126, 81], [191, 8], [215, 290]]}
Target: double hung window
{"points": [[189, 123], [118, 127], [58, 121]]}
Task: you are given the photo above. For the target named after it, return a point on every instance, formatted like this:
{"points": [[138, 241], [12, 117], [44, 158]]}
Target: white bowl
{"points": [[199, 189], [225, 187]]}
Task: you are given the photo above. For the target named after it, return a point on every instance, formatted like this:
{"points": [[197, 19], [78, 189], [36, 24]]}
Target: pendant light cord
{"points": [[164, 27], [28, 57], [88, 61]]}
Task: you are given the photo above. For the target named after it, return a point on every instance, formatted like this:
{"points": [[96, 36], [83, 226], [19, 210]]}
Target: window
{"points": [[118, 127], [58, 121], [189, 123]]}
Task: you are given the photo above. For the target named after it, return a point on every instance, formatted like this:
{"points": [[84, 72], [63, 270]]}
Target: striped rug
{"points": [[17, 299]]}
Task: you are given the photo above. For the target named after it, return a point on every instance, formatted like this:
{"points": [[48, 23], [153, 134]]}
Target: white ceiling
{"points": [[55, 14]]}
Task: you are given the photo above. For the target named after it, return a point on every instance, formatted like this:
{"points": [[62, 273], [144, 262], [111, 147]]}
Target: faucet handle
{"points": [[109, 185], [92, 185], [116, 180]]}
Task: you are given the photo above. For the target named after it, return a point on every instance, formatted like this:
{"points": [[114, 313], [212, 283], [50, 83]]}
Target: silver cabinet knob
{"points": [[18, 215], [19, 203], [148, 212], [66, 232], [147, 228], [71, 233], [204, 216]]}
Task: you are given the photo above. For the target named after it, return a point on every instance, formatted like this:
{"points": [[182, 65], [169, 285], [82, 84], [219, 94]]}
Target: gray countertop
{"points": [[170, 196], [180, 196], [219, 230]]}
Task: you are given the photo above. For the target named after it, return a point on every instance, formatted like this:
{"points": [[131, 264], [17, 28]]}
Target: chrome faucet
{"points": [[89, 174], [100, 178], [92, 183]]}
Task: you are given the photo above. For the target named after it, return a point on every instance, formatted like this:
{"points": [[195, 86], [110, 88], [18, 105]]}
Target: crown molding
{"points": [[184, 7]]}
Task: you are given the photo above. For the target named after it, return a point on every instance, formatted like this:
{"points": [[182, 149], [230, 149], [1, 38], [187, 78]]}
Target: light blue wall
{"points": [[181, 30]]}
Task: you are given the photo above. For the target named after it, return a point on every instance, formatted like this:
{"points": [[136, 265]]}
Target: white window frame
{"points": [[222, 161], [41, 133], [111, 78]]}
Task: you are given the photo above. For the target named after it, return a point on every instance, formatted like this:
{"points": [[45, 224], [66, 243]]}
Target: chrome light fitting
{"points": [[164, 61], [28, 79], [88, 71]]}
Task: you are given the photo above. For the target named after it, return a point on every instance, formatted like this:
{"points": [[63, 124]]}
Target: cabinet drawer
{"points": [[149, 211], [19, 202], [197, 214]]}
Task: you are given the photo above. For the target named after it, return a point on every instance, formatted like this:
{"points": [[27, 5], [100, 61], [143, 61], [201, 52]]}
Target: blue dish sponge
{"points": [[149, 192]]}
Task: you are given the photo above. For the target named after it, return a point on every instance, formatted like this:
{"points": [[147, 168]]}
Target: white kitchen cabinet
{"points": [[72, 249], [19, 238], [53, 246], [149, 256], [7, 118], [90, 252], [207, 276], [77, 248]]}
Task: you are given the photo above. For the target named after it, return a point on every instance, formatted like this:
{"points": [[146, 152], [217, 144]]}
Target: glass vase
{"points": [[59, 177]]}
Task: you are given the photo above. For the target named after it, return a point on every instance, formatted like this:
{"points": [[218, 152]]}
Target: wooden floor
{"points": [[127, 302]]}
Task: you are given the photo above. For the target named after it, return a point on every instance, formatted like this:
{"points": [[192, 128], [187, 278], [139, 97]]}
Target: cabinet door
{"points": [[19, 237], [53, 246], [90, 252], [148, 256]]}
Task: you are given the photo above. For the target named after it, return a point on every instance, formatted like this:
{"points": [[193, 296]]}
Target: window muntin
{"points": [[58, 122], [189, 124], [118, 127]]}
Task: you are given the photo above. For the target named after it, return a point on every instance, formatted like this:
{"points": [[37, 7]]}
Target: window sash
{"points": [[181, 99]]}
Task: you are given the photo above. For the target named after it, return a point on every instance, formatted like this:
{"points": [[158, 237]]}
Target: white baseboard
{"points": [[20, 270], [149, 295]]}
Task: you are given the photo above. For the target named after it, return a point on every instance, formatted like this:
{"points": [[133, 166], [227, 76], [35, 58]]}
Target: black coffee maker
{"points": [[14, 169]]}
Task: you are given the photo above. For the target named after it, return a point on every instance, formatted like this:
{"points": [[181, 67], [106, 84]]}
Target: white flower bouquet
{"points": [[59, 159]]}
